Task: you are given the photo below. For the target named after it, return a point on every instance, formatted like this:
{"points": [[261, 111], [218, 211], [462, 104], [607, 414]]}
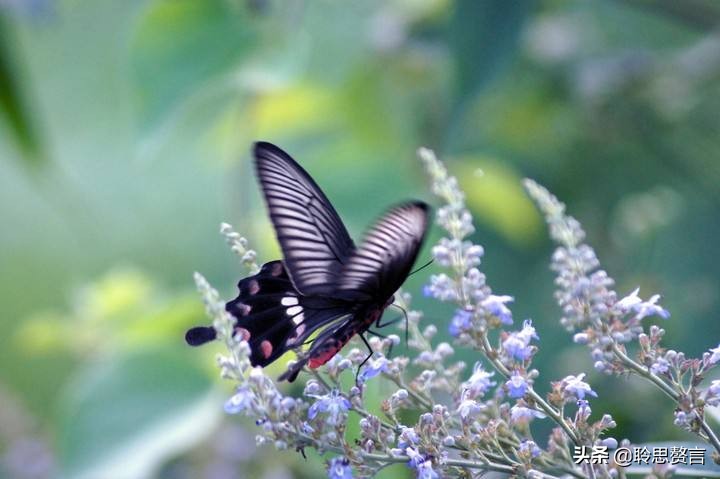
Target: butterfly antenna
{"points": [[422, 267]]}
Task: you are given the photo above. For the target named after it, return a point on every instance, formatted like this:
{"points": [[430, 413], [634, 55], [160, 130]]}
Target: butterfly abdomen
{"points": [[329, 348]]}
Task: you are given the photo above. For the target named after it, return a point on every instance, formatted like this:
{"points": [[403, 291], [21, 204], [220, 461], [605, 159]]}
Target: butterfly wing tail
{"points": [[200, 335]]}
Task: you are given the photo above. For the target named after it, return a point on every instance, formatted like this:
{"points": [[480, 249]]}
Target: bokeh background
{"points": [[124, 137]]}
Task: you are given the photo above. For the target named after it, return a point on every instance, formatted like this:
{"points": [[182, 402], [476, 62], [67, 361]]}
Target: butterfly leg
{"points": [[407, 321], [382, 336], [380, 324], [367, 358]]}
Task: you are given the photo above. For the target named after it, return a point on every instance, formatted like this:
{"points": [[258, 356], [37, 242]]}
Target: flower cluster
{"points": [[613, 327], [469, 422]]}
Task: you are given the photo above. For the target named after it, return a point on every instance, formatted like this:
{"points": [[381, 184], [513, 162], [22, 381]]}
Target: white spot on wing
{"points": [[292, 311], [289, 301], [299, 318]]}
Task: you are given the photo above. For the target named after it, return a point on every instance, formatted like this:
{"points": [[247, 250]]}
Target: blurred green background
{"points": [[124, 136]]}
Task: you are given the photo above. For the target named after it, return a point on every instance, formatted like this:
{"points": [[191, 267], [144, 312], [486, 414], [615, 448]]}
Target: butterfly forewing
{"points": [[383, 261], [312, 236]]}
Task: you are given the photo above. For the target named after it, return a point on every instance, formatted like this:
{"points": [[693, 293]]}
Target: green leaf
{"points": [[13, 101], [181, 45], [124, 417]]}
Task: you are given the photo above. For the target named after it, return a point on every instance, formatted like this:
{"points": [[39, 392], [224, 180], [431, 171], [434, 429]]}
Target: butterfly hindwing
{"points": [[273, 317], [312, 236]]}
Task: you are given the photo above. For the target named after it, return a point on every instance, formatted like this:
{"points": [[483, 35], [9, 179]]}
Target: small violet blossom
{"points": [[240, 401], [441, 287], [373, 368], [469, 409], [460, 322], [408, 437], [712, 396], [478, 384], [495, 305], [575, 386], [520, 413], [425, 471], [339, 468], [333, 404], [584, 410], [517, 344], [422, 466], [660, 366], [517, 386], [529, 448], [642, 309], [715, 355]]}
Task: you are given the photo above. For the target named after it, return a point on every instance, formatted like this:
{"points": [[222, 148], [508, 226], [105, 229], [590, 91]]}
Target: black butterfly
{"points": [[324, 280]]}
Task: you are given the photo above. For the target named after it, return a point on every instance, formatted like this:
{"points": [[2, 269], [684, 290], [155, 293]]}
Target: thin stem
{"points": [[381, 458], [644, 372], [491, 355]]}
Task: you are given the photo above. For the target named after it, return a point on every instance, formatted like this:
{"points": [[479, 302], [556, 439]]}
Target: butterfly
{"points": [[324, 283]]}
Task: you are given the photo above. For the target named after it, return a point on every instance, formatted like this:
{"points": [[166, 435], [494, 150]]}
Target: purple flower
{"points": [[339, 468], [581, 338], [642, 309], [469, 408], [609, 442], [415, 457], [444, 251], [527, 333], [423, 467], [373, 368], [684, 419], [478, 384], [715, 387], [461, 322], [517, 386], [408, 437], [715, 356], [576, 387], [333, 404], [425, 471], [517, 344], [584, 410], [529, 448], [520, 413], [712, 396], [441, 287], [240, 401], [660, 366], [495, 305], [307, 428]]}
